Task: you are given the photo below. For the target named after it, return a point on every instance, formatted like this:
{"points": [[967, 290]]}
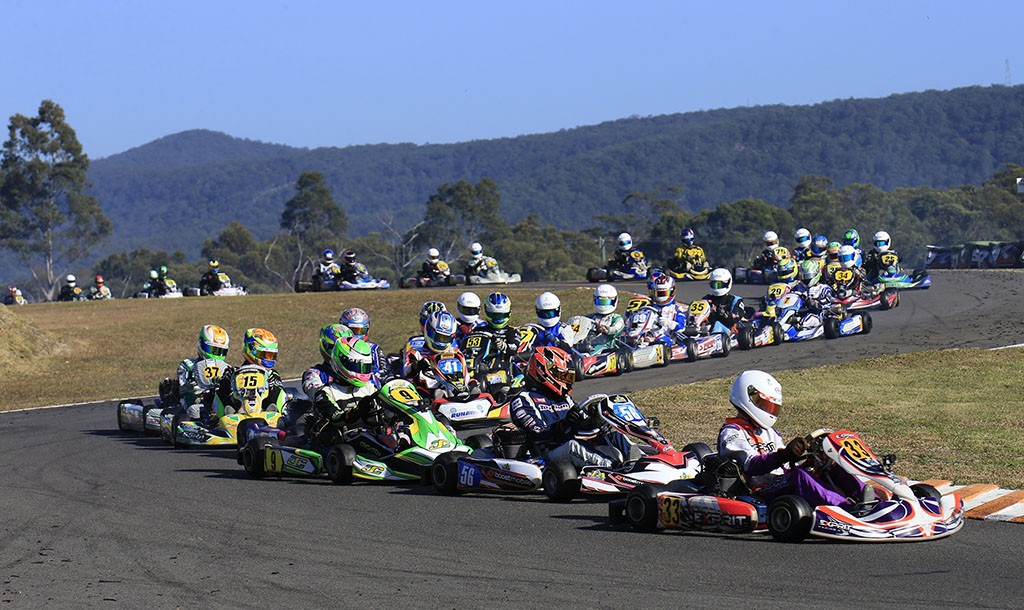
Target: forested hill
{"points": [[181, 189]]}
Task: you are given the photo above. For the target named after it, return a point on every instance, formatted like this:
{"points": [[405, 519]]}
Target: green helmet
{"points": [[352, 361], [810, 272], [213, 343], [329, 335]]}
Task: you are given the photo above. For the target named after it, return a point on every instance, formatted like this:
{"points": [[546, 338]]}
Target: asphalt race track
{"points": [[95, 519]]}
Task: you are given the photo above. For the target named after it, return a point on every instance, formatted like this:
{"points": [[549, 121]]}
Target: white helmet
{"points": [[549, 309], [882, 241], [803, 238], [606, 297], [433, 255], [476, 250], [469, 307], [770, 238], [847, 256], [720, 282], [625, 241], [71, 279], [759, 396]]}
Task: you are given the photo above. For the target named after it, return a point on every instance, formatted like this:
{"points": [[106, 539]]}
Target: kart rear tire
{"points": [[578, 369], [174, 431], [790, 518], [479, 441], [924, 490], [866, 322], [691, 350], [561, 481], [884, 303], [831, 328], [726, 346], [642, 508], [624, 361], [444, 472], [251, 456], [701, 450], [339, 464], [120, 419]]}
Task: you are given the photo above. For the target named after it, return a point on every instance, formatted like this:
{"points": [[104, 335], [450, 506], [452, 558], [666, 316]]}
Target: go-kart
{"points": [[701, 337], [650, 341], [854, 293], [327, 280], [718, 500], [490, 273], [226, 289], [636, 268], [136, 416], [797, 322], [891, 276], [495, 370], [250, 387], [401, 448], [504, 462], [444, 277], [444, 379], [763, 273], [596, 354], [170, 292], [689, 263]]}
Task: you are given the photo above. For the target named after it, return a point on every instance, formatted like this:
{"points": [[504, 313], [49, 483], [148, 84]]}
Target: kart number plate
{"points": [[670, 511], [843, 275], [272, 460], [698, 307]]}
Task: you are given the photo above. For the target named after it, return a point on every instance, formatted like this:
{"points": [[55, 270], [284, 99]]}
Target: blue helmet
{"points": [[688, 237], [819, 245], [497, 310], [852, 238], [439, 331]]}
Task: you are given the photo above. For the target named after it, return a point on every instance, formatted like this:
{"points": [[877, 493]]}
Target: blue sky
{"points": [[311, 74]]}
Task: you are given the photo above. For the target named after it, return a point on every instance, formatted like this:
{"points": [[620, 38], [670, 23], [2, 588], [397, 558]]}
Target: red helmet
{"points": [[349, 256], [551, 369]]}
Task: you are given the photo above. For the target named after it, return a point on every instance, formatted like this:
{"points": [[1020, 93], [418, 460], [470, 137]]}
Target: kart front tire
{"points": [[479, 441], [666, 354], [745, 337], [831, 328], [701, 450], [726, 345], [778, 335], [251, 457], [866, 322], [691, 350], [790, 518], [924, 490], [339, 464], [561, 481], [642, 508], [444, 472]]}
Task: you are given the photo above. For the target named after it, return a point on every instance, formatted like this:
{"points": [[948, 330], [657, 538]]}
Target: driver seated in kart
{"points": [[819, 248], [727, 309], [70, 290], [260, 348], [348, 400], [497, 316], [818, 296], [351, 270], [661, 289], [321, 374], [802, 237], [210, 282], [468, 316], [478, 263], [852, 238], [750, 440], [212, 344], [881, 244], [848, 262], [555, 427], [99, 291], [434, 268], [770, 255], [154, 287], [328, 270], [551, 331], [417, 343], [608, 325], [623, 256], [439, 339], [14, 296], [358, 322], [688, 253]]}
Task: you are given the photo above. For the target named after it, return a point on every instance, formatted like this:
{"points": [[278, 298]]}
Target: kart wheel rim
{"points": [[781, 520], [332, 464], [248, 459], [439, 474]]}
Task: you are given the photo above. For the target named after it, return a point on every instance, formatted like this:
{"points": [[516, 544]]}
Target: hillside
{"points": [[184, 188]]}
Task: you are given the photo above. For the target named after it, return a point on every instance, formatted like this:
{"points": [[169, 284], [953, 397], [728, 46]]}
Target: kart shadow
{"points": [[130, 438]]}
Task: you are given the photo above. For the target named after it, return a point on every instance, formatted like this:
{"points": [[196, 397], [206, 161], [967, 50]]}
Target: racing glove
{"points": [[794, 450]]}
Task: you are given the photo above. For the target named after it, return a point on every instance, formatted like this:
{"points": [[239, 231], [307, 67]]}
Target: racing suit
{"points": [[685, 256], [621, 260], [350, 272], [97, 293], [672, 315], [225, 403], [758, 451], [338, 406], [434, 270], [726, 310], [799, 254], [873, 266], [766, 260], [210, 282], [558, 430], [70, 293], [480, 265]]}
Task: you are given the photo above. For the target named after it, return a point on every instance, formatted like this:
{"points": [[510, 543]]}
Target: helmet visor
{"points": [[764, 402], [266, 356], [563, 375], [662, 294], [604, 301], [469, 311], [547, 314], [358, 367], [498, 319], [881, 243], [719, 285], [215, 351]]}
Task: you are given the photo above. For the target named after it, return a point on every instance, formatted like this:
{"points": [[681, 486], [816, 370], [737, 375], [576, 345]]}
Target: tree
{"points": [[312, 218], [461, 213], [46, 215]]}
